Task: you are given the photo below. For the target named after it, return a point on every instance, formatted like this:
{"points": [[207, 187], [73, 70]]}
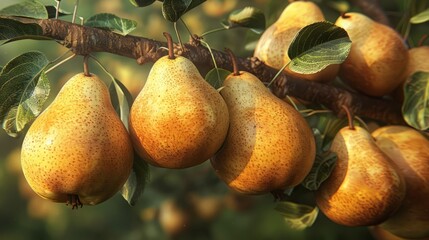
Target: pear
{"points": [[378, 56], [78, 150], [417, 62], [272, 47], [269, 145], [410, 151], [174, 219], [364, 187], [178, 120]]}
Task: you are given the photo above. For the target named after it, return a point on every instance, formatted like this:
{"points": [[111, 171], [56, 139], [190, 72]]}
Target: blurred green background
{"points": [[182, 204]]}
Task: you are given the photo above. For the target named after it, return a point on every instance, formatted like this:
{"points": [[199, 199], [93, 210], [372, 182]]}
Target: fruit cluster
{"points": [[380, 178], [256, 142]]}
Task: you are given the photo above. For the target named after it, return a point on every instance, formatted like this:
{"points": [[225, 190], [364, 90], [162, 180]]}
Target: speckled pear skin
{"points": [[409, 149], [269, 145], [273, 46], [378, 58], [417, 62], [178, 120], [78, 145], [365, 187]]}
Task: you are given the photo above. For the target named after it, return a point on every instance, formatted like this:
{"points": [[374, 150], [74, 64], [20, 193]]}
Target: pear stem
{"points": [[170, 45], [236, 72], [344, 15], [85, 66], [349, 117]]}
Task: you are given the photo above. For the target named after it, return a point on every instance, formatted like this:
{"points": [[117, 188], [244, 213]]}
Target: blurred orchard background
{"points": [[180, 204]]}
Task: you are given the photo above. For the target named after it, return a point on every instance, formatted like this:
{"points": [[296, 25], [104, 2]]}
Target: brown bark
{"points": [[85, 40]]}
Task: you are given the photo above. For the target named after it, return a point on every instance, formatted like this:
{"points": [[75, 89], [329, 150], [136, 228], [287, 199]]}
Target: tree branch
{"points": [[85, 40]]}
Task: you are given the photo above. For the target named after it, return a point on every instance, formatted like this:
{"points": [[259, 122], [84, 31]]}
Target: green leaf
{"points": [[121, 100], [321, 170], [323, 164], [297, 216], [134, 186], [112, 22], [173, 10], [421, 17], [24, 88], [142, 3], [11, 29], [317, 46], [415, 108], [216, 76], [327, 125], [136, 182], [248, 17], [29, 9]]}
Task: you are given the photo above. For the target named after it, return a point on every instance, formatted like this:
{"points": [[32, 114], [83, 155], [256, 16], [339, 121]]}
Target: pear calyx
{"points": [[170, 46]]}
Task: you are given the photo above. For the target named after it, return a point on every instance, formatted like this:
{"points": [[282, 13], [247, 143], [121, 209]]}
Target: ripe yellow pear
{"points": [[272, 47], [378, 57], [364, 188], [78, 150], [410, 151], [178, 120], [417, 62], [269, 145]]}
